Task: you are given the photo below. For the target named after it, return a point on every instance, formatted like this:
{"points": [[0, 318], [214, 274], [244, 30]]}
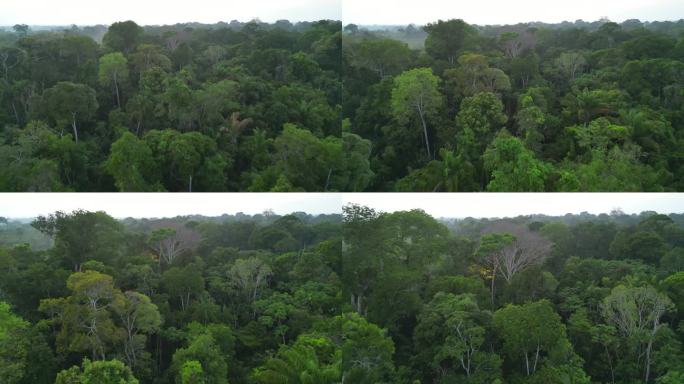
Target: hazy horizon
{"points": [[506, 205], [165, 205], [157, 12], [398, 12]]}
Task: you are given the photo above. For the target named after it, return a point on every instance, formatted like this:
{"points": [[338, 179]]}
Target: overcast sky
{"points": [[149, 12], [506, 11], [461, 205], [122, 205]]}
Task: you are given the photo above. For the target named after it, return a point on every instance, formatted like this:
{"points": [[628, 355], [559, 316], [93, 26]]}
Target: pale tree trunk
{"points": [[648, 352], [16, 114], [536, 358], [419, 106], [116, 87], [190, 184], [73, 125]]}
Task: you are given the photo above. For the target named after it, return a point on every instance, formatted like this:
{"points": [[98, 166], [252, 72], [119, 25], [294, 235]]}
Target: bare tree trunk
{"points": [[648, 352], [536, 358], [190, 184], [327, 181], [16, 114], [427, 141], [116, 87], [73, 125], [492, 286], [610, 364]]}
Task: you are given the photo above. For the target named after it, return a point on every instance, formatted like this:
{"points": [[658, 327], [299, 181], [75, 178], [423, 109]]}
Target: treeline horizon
{"points": [[230, 108], [370, 297], [454, 107], [519, 300]]}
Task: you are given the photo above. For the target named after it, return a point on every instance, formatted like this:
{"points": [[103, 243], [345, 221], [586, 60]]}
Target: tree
{"points": [[530, 332], [357, 167], [250, 275], [81, 236], [362, 231], [297, 150], [122, 36], [446, 39], [416, 91], [188, 159], [526, 248], [21, 29], [365, 349], [169, 243], [386, 57], [192, 373], [479, 119], [183, 283], [571, 64], [13, 361], [450, 335], [311, 359], [636, 313], [113, 71], [70, 104], [84, 320], [131, 164], [490, 249], [474, 75], [139, 317], [101, 372], [513, 167], [203, 349], [530, 119], [273, 312]]}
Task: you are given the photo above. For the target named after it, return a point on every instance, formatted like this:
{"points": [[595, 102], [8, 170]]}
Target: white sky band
{"points": [[159, 12], [462, 205], [386, 12], [149, 205]]}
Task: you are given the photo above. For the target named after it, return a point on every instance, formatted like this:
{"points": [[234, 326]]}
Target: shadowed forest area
{"points": [[533, 299], [189, 107], [528, 107]]}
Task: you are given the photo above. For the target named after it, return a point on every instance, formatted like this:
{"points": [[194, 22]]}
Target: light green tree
{"points": [[416, 92], [97, 372], [113, 71]]}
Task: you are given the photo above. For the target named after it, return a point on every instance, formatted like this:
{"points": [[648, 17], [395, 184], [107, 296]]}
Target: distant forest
{"points": [[528, 300], [183, 300], [529, 107], [225, 107], [366, 297]]}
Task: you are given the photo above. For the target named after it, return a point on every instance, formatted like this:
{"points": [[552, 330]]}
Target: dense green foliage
{"points": [[225, 107], [183, 300], [573, 299], [375, 298], [526, 107]]}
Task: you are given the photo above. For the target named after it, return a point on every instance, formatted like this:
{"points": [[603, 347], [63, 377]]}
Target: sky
{"points": [[138, 205], [462, 205], [393, 12], [158, 12]]}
